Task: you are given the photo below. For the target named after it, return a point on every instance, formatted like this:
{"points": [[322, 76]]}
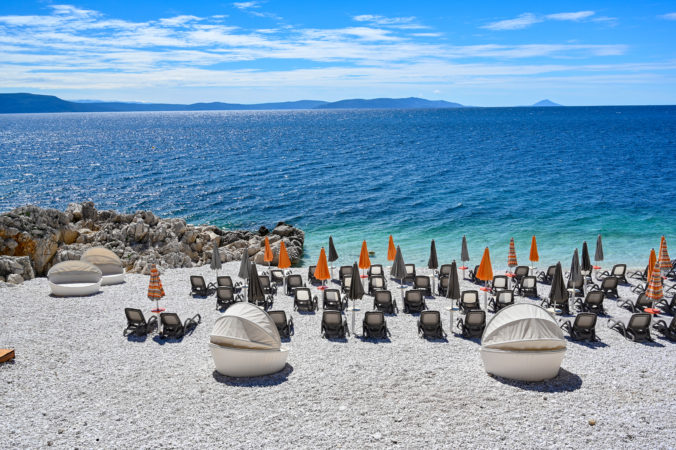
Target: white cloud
{"points": [[404, 23], [246, 5], [668, 16], [179, 20], [574, 16], [523, 21]]}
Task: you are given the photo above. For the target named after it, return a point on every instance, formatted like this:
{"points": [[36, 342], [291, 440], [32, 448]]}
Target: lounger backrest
{"points": [[499, 282], [345, 270], [643, 301], [376, 269], [619, 270], [294, 280], [224, 280], [277, 274], [134, 316], [332, 295], [551, 270], [414, 296], [347, 281], [197, 281], [383, 297], [529, 282], [475, 318], [279, 317], [585, 321], [444, 282], [331, 319], [374, 318], [377, 282], [430, 318], [170, 319], [410, 269], [311, 271], [225, 293], [422, 281], [470, 297], [595, 297], [521, 271], [265, 281], [672, 325], [639, 321], [303, 294], [505, 297], [445, 270], [609, 283]]}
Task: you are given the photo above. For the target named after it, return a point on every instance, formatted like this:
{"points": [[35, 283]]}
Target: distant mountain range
{"points": [[32, 103]]}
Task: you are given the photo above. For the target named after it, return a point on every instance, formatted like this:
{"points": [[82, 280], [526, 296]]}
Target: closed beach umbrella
{"points": [[333, 254], [244, 265], [464, 253], [453, 290], [283, 262], [664, 260], [558, 293], [322, 269], [534, 256], [364, 260], [255, 289], [511, 257], [485, 273], [575, 275], [155, 289], [215, 258], [654, 289], [267, 254], [598, 256], [391, 250], [433, 262], [355, 292], [651, 263], [399, 270], [586, 262]]}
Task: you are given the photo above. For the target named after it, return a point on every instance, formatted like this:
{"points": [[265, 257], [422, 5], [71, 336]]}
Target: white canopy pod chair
{"points": [[108, 262], [523, 342], [74, 279], [245, 343]]}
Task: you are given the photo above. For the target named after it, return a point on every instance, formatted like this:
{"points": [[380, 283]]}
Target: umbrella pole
{"points": [[354, 307], [485, 298]]}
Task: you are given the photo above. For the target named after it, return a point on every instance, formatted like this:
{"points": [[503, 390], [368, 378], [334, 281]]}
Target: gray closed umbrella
{"points": [[598, 256], [586, 262], [433, 262], [244, 265], [399, 270], [558, 292], [575, 277], [333, 254], [464, 253], [215, 259], [453, 291], [356, 291], [254, 291]]}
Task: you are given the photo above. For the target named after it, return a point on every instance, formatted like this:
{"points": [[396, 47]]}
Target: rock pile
{"points": [[34, 239]]}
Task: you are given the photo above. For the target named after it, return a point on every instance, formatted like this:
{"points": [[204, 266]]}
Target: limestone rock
{"points": [[14, 278]]}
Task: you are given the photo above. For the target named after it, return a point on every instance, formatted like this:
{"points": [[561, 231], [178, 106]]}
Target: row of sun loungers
{"points": [[171, 325]]}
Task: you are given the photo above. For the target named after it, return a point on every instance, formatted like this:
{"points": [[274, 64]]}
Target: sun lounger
{"points": [[502, 298], [334, 325], [500, 283], [200, 287], [577, 285], [346, 283], [547, 276], [520, 272], [277, 276], [637, 329], [293, 282], [410, 272], [343, 272], [583, 328], [284, 326], [374, 325], [472, 275], [332, 300], [642, 302], [311, 275], [443, 286], [608, 286], [225, 296], [137, 324], [226, 281], [444, 271], [668, 332], [382, 301], [640, 275], [376, 270], [414, 301], [563, 304], [669, 307], [469, 300], [376, 282], [592, 303], [473, 325], [268, 287], [618, 271], [429, 325], [528, 287], [303, 301], [173, 328], [423, 283]]}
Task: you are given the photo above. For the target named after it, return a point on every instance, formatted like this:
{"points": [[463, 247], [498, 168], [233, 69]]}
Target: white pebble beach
{"points": [[76, 382]]}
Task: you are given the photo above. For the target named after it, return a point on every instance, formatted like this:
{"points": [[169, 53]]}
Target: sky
{"points": [[481, 53]]}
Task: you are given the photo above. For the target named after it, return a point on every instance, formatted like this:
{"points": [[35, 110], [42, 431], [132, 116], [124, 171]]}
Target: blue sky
{"points": [[475, 53]]}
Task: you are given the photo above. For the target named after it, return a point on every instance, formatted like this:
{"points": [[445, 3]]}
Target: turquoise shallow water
{"points": [[563, 174]]}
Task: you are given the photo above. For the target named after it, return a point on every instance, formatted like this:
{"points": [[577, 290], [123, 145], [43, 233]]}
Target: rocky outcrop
{"points": [[39, 238]]}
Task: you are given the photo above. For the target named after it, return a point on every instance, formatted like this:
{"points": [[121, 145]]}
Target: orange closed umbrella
{"points": [[485, 273], [651, 263], [511, 257], [267, 254], [534, 257], [664, 260], [391, 250], [283, 262], [654, 289], [364, 260], [322, 269]]}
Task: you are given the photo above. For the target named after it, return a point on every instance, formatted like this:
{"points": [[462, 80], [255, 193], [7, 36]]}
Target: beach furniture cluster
{"points": [[97, 267]]}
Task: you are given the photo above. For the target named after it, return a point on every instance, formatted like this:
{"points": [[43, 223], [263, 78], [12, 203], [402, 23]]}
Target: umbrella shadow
{"points": [[274, 379], [565, 381]]}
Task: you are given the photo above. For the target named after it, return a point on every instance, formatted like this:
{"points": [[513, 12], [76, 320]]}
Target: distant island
{"points": [[546, 102]]}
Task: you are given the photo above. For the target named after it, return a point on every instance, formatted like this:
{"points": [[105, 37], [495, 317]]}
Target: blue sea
{"points": [[562, 174]]}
